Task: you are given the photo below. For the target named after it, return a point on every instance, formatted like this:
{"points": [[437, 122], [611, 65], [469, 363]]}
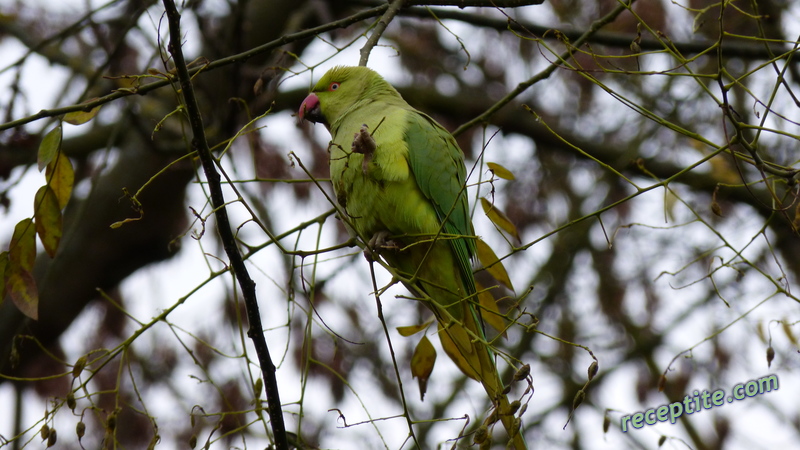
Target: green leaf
{"points": [[81, 117], [61, 178], [422, 362], [22, 249], [47, 215], [413, 329], [500, 171], [22, 290], [49, 147], [492, 264], [499, 218]]}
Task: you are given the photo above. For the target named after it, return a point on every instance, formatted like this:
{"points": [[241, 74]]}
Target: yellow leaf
{"points": [[3, 266], [422, 362], [49, 147], [493, 264], [787, 329], [498, 218], [723, 171], [489, 311], [61, 177], [22, 249], [22, 290], [448, 336], [19, 282], [413, 329], [47, 215], [760, 332], [500, 171], [81, 117]]}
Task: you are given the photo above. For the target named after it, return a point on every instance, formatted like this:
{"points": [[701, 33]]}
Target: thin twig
{"points": [[380, 27], [240, 57], [608, 18], [743, 50], [391, 350], [200, 145]]}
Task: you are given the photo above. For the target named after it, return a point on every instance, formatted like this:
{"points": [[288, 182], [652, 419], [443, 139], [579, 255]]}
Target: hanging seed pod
{"points": [[523, 372], [593, 367], [80, 364], [45, 431], [481, 435], [52, 438]]}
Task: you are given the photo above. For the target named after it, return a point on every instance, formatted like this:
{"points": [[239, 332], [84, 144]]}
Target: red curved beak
{"points": [[310, 109]]}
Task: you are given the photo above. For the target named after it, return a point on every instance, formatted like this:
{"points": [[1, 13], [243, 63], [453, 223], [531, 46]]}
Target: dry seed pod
{"points": [[51, 439], [523, 372], [593, 370], [481, 435], [80, 364]]}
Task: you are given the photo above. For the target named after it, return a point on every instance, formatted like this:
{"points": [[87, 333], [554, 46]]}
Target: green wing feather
{"points": [[438, 166]]}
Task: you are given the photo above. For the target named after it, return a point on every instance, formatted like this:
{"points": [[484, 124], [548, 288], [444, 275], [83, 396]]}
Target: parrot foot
{"points": [[378, 242], [364, 143]]}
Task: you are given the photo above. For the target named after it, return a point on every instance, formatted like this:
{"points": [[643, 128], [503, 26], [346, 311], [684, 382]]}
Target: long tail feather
{"points": [[460, 325]]}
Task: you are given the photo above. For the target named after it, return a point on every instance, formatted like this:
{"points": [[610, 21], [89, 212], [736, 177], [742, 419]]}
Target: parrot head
{"points": [[340, 89]]}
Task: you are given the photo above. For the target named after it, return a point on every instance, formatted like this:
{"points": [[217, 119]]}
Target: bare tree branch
{"points": [[732, 48], [380, 27], [200, 145], [521, 87], [237, 58]]}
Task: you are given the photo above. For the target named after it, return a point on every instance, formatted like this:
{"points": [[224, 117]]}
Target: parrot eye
{"points": [[334, 86]]}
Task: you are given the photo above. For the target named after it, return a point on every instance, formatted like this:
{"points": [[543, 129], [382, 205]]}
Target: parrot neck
{"points": [[337, 122]]}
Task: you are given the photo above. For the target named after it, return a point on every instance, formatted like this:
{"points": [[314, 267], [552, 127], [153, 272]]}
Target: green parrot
{"points": [[399, 179]]}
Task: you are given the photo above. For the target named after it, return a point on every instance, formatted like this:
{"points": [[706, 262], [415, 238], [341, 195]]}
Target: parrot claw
{"points": [[365, 144], [378, 242]]}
